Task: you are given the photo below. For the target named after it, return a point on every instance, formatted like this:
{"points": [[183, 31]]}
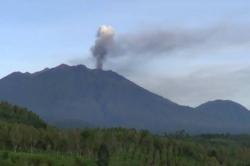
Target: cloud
{"points": [[194, 88]]}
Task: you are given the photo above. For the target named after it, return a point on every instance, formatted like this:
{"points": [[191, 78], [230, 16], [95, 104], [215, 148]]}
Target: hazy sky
{"points": [[38, 34]]}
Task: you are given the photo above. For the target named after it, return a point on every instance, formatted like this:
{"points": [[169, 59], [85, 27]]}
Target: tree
{"points": [[103, 155]]}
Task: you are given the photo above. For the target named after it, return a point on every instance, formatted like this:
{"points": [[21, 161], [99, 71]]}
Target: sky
{"points": [[209, 56]]}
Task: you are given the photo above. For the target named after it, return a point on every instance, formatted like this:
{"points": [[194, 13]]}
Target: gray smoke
{"points": [[165, 42], [151, 43], [103, 43]]}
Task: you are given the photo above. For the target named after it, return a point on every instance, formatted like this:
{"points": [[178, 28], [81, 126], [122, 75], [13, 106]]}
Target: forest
{"points": [[26, 140]]}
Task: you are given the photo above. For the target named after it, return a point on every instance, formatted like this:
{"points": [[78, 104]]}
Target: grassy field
{"points": [[8, 158]]}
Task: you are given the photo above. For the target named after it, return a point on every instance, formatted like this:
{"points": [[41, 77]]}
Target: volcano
{"points": [[76, 96]]}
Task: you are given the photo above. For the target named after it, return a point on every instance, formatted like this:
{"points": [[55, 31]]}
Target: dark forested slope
{"points": [[14, 114]]}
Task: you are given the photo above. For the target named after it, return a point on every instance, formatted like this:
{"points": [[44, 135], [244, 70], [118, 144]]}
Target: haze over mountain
{"points": [[75, 96]]}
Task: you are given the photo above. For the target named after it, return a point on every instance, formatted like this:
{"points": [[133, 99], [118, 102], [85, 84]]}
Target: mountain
{"points": [[75, 96], [67, 94], [223, 116]]}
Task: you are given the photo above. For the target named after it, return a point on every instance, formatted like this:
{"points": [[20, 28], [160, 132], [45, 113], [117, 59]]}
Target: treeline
{"points": [[127, 146], [120, 146]]}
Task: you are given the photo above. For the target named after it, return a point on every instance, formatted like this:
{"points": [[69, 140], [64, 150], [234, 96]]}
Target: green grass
{"points": [[42, 159]]}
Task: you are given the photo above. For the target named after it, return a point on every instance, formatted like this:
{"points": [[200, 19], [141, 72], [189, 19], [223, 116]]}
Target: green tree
{"points": [[103, 155]]}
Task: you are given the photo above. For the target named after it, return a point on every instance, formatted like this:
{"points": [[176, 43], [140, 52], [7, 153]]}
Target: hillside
{"points": [[14, 114], [75, 96], [223, 116]]}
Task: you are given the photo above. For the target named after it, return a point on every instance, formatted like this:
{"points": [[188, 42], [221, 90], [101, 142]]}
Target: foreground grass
{"points": [[8, 158]]}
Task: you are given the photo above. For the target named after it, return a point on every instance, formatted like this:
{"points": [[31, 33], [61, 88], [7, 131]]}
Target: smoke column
{"points": [[147, 44], [103, 43]]}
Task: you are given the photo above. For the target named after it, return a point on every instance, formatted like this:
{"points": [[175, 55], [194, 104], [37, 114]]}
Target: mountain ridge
{"points": [[106, 99], [220, 103]]}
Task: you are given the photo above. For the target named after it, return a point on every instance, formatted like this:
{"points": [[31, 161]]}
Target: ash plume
{"points": [[103, 43], [147, 44], [166, 42]]}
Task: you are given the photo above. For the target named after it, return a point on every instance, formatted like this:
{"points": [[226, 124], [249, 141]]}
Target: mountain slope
{"points": [[223, 116], [76, 96], [100, 98], [220, 106]]}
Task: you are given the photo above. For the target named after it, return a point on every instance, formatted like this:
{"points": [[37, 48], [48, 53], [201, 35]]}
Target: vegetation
{"points": [[26, 141], [41, 159], [15, 114]]}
